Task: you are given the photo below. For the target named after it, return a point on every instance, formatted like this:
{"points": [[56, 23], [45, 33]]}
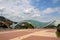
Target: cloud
{"points": [[48, 10], [12, 10], [57, 9], [18, 9], [51, 10], [55, 1], [48, 15], [57, 20], [36, 15]]}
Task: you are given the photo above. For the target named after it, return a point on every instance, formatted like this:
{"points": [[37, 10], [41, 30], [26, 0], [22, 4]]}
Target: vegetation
{"points": [[3, 25], [5, 21], [50, 26], [58, 30], [36, 24], [24, 25], [58, 34]]}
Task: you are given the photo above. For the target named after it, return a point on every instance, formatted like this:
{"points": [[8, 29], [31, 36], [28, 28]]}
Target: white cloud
{"points": [[51, 10], [36, 15], [57, 9], [49, 17], [12, 9], [48, 10], [18, 9], [57, 21]]}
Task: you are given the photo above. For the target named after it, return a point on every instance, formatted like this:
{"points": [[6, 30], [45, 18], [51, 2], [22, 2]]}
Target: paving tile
{"points": [[41, 38]]}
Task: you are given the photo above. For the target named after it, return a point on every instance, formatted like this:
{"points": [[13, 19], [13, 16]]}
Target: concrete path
{"points": [[38, 33], [7, 35]]}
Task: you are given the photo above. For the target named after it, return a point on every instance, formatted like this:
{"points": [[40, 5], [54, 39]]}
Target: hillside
{"points": [[3, 19]]}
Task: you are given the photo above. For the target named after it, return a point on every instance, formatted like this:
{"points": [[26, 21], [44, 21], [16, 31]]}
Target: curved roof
{"points": [[35, 23]]}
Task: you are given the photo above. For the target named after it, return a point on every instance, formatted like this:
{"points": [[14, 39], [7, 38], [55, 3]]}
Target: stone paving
{"points": [[29, 34]]}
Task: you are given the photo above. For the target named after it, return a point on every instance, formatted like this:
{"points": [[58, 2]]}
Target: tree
{"points": [[24, 25], [50, 26], [58, 28], [2, 25]]}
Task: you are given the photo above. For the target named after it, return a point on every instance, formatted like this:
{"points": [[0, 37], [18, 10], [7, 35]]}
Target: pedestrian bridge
{"points": [[35, 24]]}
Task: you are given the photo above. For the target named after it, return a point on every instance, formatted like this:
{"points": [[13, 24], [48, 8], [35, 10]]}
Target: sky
{"points": [[40, 10]]}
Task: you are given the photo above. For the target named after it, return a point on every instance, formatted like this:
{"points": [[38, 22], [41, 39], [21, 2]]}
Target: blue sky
{"points": [[40, 10], [43, 4]]}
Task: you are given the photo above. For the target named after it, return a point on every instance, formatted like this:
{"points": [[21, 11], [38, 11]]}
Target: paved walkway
{"points": [[38, 33], [29, 34]]}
